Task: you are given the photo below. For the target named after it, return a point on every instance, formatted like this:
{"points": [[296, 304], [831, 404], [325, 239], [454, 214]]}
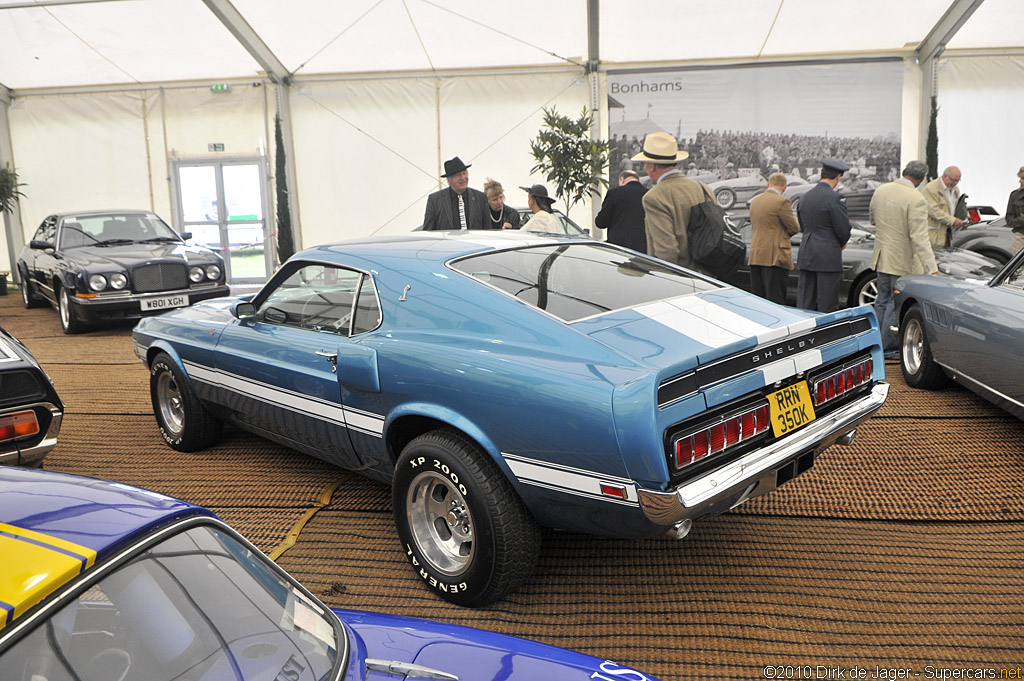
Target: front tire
{"points": [[919, 367], [462, 526], [69, 321], [725, 197], [865, 290], [184, 422]]}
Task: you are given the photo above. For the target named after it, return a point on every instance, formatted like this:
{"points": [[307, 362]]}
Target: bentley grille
{"points": [[160, 277]]}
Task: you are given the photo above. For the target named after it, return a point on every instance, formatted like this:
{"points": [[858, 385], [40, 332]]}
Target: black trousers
{"points": [[818, 290], [769, 282]]}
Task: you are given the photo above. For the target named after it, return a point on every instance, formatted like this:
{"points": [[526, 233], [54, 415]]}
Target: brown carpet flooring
{"points": [[902, 550]]}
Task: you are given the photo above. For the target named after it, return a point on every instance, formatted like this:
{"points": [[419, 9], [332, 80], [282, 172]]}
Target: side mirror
{"points": [[244, 311], [40, 244], [185, 236], [586, 230]]}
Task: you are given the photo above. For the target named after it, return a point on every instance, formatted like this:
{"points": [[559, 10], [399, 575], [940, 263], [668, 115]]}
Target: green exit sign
{"points": [[220, 87], [215, 146]]}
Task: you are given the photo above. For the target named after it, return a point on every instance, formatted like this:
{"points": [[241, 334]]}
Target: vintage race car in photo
{"points": [[98, 266], [970, 331], [106, 582], [738, 190], [500, 381], [31, 412]]}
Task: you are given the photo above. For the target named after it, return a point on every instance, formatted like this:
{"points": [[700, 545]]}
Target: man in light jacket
{"points": [[900, 216], [941, 195]]}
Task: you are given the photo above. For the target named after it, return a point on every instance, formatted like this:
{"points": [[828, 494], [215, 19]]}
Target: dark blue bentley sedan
{"points": [[501, 381]]}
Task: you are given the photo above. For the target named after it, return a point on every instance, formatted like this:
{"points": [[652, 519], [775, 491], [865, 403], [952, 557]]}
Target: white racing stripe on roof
{"points": [[702, 321]]}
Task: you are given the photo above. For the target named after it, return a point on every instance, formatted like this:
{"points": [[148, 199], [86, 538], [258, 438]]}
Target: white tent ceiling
{"points": [[85, 43]]}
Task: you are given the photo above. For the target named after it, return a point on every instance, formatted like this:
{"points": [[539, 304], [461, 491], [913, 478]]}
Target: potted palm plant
{"points": [[9, 195]]}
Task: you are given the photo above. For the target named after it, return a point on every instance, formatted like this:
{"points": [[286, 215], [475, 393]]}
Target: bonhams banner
{"points": [[737, 122]]}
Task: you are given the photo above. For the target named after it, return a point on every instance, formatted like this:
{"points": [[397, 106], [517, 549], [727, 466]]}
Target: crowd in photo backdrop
{"points": [[721, 154]]}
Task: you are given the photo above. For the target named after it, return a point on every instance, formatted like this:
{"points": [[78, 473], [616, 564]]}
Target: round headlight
{"points": [[97, 282], [118, 281], [213, 272], [195, 274]]}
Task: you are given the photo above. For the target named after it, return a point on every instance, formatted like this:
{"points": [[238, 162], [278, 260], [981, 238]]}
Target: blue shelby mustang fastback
{"points": [[501, 383], [105, 582]]}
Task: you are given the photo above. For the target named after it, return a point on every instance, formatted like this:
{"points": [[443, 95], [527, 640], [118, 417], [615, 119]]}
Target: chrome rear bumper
{"points": [[757, 472]]}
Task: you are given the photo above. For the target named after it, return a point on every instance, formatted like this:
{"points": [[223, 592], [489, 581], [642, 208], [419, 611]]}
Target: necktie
{"points": [[462, 212]]}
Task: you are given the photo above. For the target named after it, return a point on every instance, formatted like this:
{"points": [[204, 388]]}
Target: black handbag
{"points": [[713, 244]]}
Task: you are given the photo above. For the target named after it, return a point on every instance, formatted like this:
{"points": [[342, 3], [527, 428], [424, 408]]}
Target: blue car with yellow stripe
{"points": [[101, 581], [500, 382]]}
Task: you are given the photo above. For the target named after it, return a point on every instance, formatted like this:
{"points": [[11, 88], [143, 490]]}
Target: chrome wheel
{"points": [[868, 293], [440, 523], [26, 299], [168, 398], [65, 308], [913, 346]]}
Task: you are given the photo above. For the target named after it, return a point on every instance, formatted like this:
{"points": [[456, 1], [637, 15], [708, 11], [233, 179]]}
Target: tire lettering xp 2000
{"points": [[184, 422], [462, 526]]}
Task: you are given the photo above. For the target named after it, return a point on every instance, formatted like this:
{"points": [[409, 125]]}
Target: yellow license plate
{"points": [[790, 408]]}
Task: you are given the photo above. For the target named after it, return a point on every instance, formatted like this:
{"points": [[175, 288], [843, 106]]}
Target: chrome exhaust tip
{"points": [[680, 529], [848, 438]]}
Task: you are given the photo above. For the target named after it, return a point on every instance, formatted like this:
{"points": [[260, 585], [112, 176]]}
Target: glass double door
{"points": [[223, 204]]}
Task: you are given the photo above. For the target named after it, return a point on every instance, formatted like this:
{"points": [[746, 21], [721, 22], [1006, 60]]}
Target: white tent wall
{"points": [[980, 101], [368, 152]]}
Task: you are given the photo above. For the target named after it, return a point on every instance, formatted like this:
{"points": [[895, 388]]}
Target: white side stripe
{"points": [[323, 410], [568, 479]]}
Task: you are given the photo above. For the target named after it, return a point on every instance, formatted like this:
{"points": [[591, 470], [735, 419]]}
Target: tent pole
{"points": [[600, 109], [12, 220]]}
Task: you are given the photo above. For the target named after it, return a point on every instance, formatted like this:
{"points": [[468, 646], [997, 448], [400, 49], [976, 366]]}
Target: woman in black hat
{"points": [[540, 203]]}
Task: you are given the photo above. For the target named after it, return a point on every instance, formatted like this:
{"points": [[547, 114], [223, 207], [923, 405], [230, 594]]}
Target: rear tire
{"points": [[69, 321], [919, 368], [28, 298], [865, 290], [462, 526], [184, 422]]}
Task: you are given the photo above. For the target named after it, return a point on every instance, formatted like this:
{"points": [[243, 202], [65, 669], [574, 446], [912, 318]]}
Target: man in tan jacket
{"points": [[667, 204], [771, 256], [941, 195], [900, 216]]}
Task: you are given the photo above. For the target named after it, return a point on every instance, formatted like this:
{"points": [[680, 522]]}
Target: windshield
{"points": [[113, 228], [573, 281], [198, 606]]}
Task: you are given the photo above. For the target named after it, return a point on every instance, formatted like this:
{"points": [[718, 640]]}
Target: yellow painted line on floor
{"points": [[325, 499]]}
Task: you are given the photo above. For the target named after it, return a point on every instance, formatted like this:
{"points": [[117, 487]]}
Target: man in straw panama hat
{"points": [[667, 205]]}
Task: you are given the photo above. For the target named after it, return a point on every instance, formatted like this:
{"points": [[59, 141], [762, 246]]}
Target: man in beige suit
{"points": [[900, 216], [771, 257], [667, 204], [941, 195]]}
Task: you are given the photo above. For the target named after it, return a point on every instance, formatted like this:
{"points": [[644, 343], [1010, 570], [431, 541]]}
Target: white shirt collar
{"points": [[674, 171]]}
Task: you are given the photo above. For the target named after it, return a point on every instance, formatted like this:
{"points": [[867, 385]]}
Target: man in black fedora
{"points": [[458, 206]]}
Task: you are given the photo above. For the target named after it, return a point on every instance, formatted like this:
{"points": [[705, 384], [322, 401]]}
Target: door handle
{"points": [[332, 359]]}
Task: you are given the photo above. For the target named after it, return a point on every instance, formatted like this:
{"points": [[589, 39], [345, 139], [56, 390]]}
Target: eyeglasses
{"points": [[951, 180]]}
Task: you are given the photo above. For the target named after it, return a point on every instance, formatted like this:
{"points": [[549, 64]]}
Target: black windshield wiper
{"points": [[114, 242], [160, 239]]}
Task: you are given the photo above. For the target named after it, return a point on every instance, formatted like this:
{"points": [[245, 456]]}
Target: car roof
{"points": [[435, 247], [53, 526], [112, 211]]}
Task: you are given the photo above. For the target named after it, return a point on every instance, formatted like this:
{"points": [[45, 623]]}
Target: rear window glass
{"points": [[573, 281]]}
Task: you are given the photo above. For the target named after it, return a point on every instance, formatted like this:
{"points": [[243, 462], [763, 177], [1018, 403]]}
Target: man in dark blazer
{"points": [[826, 228], [622, 213], [458, 206]]}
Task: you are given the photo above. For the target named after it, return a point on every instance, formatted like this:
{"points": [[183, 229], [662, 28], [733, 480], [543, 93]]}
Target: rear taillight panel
{"points": [[728, 433], [838, 382]]}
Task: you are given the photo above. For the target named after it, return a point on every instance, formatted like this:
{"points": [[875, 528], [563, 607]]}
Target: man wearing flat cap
{"points": [[540, 203], [667, 204], [826, 229], [1015, 213], [900, 215], [458, 206]]}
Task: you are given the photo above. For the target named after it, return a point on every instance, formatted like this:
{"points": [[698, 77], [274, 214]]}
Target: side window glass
{"points": [[368, 313], [317, 297]]}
